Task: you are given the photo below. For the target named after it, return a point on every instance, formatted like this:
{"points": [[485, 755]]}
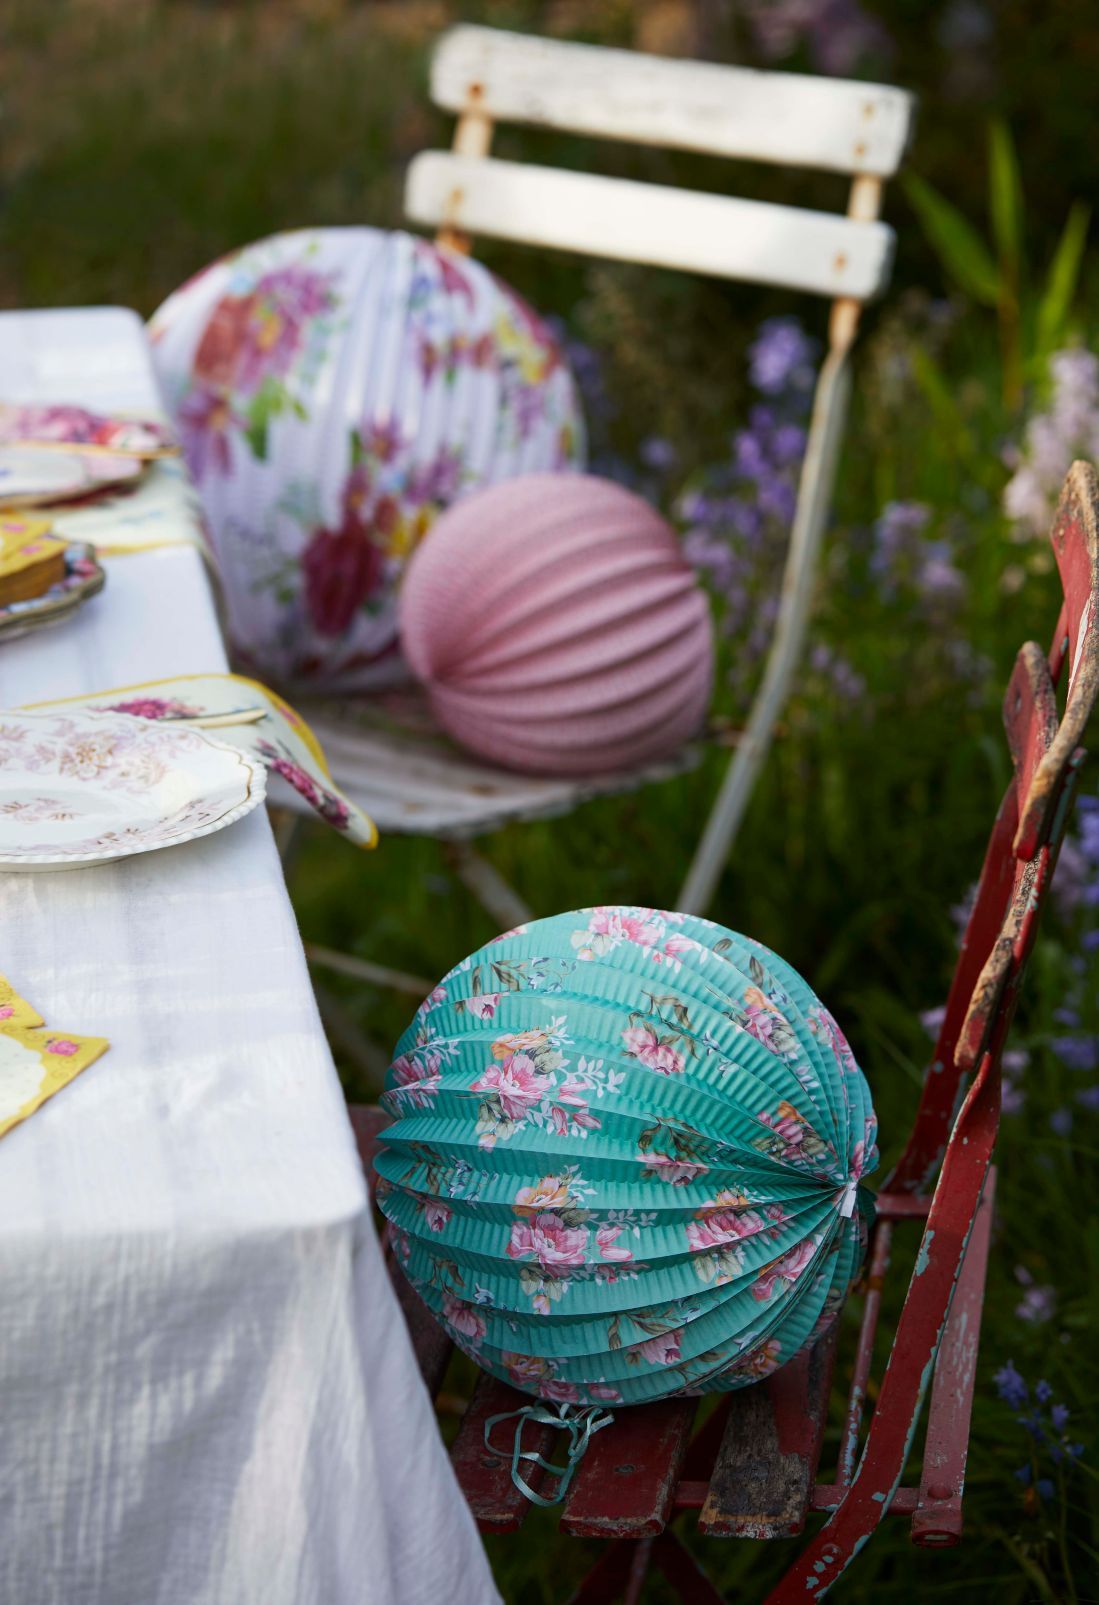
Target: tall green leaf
{"points": [[959, 247], [1059, 293], [1005, 202]]}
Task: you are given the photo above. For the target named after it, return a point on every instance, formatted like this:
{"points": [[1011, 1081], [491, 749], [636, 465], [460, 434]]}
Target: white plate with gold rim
{"points": [[83, 788]]}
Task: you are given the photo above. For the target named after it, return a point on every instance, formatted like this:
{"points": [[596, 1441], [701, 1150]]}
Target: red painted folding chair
{"points": [[752, 1469]]}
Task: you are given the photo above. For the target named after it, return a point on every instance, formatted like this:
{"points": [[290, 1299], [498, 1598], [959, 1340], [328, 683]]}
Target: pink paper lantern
{"points": [[557, 627]]}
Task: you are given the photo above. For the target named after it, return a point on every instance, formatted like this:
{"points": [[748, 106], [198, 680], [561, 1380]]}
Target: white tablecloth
{"points": [[206, 1390]]}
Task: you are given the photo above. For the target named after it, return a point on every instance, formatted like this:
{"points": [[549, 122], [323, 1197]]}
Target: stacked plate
{"points": [[82, 788]]}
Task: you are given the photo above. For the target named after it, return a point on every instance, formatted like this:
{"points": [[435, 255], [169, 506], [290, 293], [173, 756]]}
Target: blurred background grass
{"points": [[141, 138]]}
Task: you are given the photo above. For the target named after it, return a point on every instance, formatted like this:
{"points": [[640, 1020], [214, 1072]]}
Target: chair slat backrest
{"points": [[861, 130], [787, 118], [1044, 750], [720, 235], [486, 76], [999, 938]]}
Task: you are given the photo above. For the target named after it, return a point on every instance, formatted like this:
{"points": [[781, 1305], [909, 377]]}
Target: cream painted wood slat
{"points": [[788, 118], [656, 224], [387, 754]]}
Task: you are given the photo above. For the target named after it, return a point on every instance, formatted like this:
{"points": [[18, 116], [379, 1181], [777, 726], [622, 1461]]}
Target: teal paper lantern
{"points": [[626, 1158]]}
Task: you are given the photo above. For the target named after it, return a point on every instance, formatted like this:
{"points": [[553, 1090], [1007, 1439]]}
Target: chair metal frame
{"points": [[486, 76], [751, 1470]]}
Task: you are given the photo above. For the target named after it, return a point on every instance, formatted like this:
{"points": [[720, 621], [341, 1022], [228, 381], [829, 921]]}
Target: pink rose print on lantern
{"points": [[517, 1084], [340, 569], [677, 1172], [257, 336], [546, 1238], [711, 1228], [604, 1393], [436, 1215], [560, 1392], [484, 1006], [642, 1043], [571, 1108], [63, 1046], [606, 1241], [662, 1349], [787, 1125], [464, 1319], [417, 1076], [786, 1269]]}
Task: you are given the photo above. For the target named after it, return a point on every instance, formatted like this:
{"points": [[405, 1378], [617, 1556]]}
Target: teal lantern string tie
{"points": [[580, 1425]]}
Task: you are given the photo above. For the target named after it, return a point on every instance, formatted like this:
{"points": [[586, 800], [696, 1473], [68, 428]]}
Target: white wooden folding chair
{"points": [[407, 777]]}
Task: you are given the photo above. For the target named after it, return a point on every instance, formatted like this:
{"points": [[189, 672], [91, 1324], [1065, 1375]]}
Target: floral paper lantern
{"points": [[558, 628], [625, 1158], [333, 390]]}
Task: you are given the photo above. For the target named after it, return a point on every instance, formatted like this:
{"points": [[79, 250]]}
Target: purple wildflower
{"points": [[1037, 1305], [838, 34], [659, 455], [1061, 1121], [1077, 1053], [1068, 429], [782, 357], [1010, 1386], [932, 1019]]}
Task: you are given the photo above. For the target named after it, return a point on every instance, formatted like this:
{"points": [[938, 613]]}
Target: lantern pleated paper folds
{"points": [[625, 1158], [334, 389], [557, 627]]}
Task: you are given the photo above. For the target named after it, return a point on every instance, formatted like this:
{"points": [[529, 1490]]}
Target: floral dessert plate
{"points": [[82, 788], [83, 578], [30, 477]]}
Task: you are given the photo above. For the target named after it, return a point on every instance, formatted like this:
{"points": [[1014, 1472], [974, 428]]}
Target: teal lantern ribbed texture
{"points": [[626, 1156]]}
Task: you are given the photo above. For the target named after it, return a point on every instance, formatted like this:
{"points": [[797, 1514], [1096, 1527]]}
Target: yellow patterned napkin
{"points": [[35, 1063], [15, 1010]]}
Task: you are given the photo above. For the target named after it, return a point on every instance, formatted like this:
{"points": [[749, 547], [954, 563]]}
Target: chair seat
{"points": [[749, 1468], [389, 756]]}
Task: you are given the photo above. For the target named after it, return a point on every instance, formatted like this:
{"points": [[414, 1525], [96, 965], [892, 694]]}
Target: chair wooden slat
{"points": [[763, 1478], [485, 1479], [625, 1485], [1076, 645], [392, 760], [368, 1121], [938, 1517], [722, 235], [430, 1343], [788, 118]]}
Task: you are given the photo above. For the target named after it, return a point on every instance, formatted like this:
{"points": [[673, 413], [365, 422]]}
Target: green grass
{"points": [[141, 141]]}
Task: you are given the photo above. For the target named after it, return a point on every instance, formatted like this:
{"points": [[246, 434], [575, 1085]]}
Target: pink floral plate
{"points": [[30, 477], [82, 788], [83, 578]]}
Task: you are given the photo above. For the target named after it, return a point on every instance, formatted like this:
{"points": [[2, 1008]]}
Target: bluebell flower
{"points": [[1011, 1387], [782, 357], [1077, 1053]]}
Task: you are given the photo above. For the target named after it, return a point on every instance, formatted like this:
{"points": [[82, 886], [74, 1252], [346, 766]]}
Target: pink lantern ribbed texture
{"points": [[557, 627]]}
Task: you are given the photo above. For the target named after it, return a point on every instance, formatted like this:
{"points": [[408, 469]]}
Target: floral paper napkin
{"points": [[162, 509], [280, 738], [34, 1062]]}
